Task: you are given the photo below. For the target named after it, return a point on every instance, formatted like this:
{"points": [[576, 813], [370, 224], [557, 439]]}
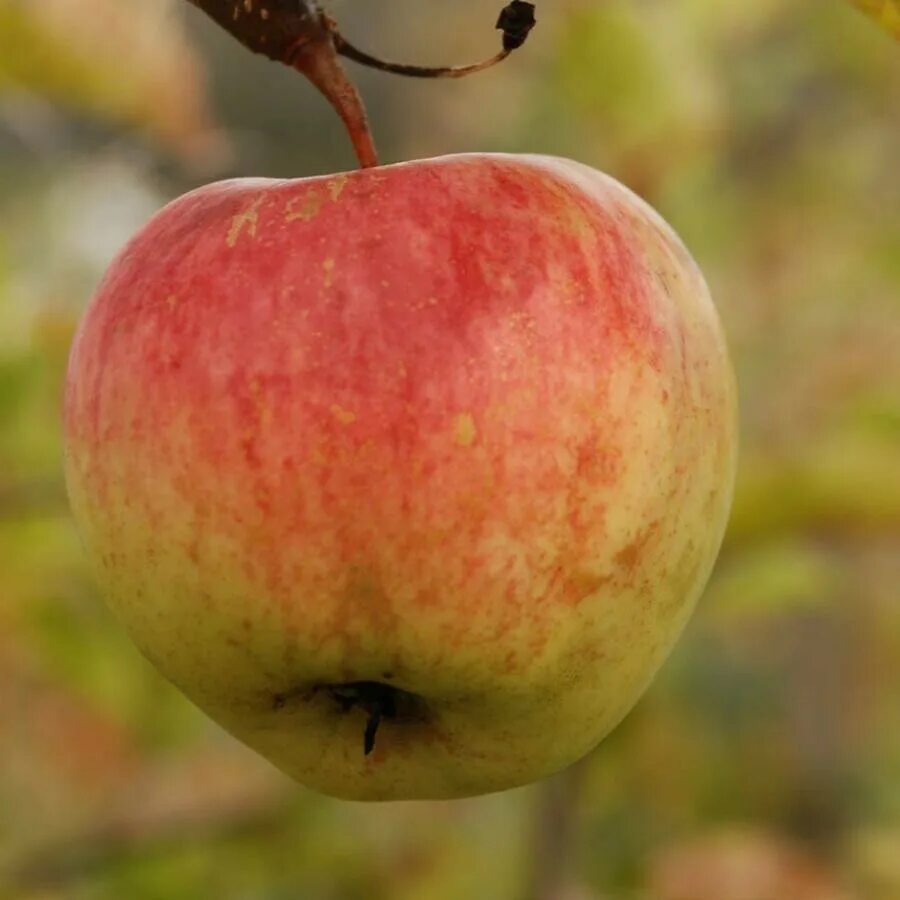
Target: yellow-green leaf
{"points": [[120, 61], [885, 12]]}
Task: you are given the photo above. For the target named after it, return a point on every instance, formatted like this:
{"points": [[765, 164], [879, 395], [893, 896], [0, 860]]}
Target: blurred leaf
{"points": [[122, 62], [636, 83], [776, 578], [876, 855], [885, 12], [846, 483]]}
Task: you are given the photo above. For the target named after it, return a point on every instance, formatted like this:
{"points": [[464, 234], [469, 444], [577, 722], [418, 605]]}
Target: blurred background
{"points": [[764, 764]]}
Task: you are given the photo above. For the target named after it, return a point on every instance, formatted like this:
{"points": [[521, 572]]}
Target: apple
{"points": [[409, 477]]}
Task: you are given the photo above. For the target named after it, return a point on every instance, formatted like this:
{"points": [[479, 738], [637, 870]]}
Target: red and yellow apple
{"points": [[433, 458]]}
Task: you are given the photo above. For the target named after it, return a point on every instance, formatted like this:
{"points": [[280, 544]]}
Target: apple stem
{"points": [[317, 59]]}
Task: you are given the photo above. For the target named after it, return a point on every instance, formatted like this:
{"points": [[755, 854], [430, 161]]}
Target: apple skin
{"points": [[463, 426]]}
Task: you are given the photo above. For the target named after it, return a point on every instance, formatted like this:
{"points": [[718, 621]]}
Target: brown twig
{"points": [[516, 21], [345, 48], [299, 34]]}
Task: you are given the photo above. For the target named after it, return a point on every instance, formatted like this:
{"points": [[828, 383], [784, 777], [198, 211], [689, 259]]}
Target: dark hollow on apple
{"points": [[379, 701]]}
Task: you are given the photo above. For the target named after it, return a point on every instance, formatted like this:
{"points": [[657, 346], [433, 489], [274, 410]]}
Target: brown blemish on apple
{"points": [[247, 220], [631, 554], [344, 416], [583, 586], [336, 186], [328, 267], [305, 208], [464, 430]]}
